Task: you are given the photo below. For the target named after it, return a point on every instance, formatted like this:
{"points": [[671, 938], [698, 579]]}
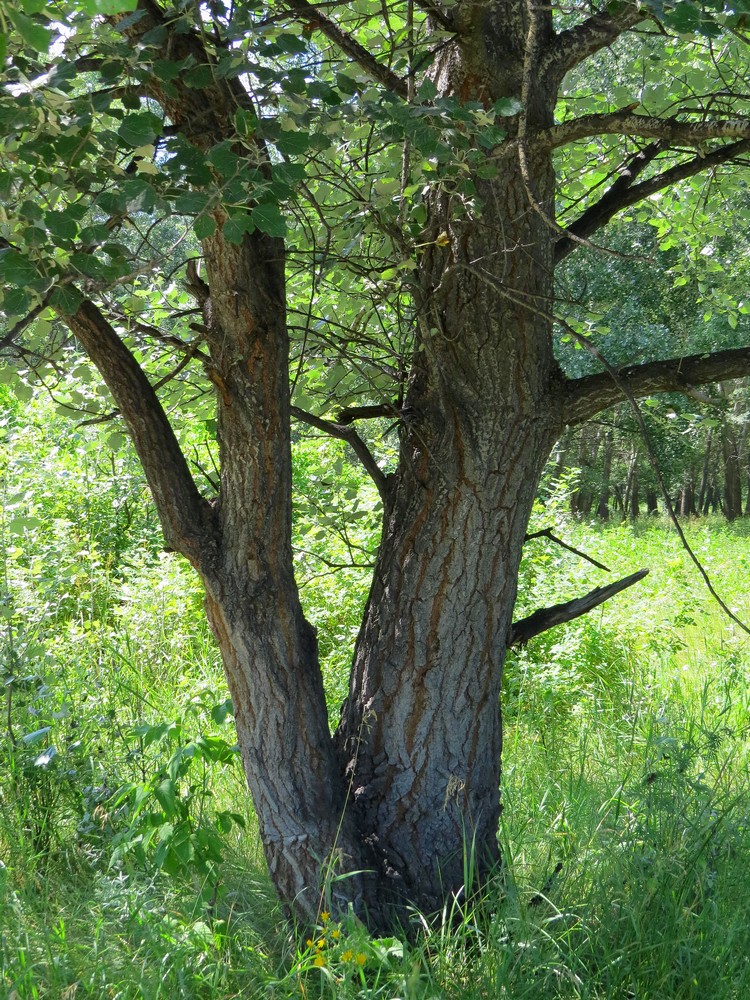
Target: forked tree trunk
{"points": [[388, 811]]}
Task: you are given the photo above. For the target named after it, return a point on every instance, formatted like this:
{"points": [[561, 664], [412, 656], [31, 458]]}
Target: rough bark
{"points": [[420, 734]]}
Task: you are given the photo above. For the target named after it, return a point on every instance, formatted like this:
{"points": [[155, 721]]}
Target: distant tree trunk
{"points": [[582, 499], [652, 501], [602, 510], [687, 506], [732, 476], [632, 499], [705, 469], [634, 505]]}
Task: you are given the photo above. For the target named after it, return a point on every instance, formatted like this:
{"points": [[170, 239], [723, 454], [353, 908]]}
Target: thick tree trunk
{"points": [[269, 649], [420, 735], [686, 505]]}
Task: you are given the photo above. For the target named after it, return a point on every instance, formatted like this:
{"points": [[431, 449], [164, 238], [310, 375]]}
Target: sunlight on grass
{"points": [[626, 789]]}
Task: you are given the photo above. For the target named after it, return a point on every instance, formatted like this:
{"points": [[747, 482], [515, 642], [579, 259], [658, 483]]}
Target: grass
{"points": [[626, 823]]}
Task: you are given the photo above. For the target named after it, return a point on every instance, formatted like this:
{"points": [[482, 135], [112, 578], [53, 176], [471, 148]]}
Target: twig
{"points": [[547, 533]]}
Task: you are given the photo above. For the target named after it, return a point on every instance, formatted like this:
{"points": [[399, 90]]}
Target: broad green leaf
{"points": [[165, 794], [140, 129], [36, 735], [204, 226], [220, 713], [268, 218], [236, 226], [66, 299], [35, 35], [16, 269]]}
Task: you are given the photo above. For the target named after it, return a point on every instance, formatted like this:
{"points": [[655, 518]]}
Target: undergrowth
{"points": [[130, 865]]}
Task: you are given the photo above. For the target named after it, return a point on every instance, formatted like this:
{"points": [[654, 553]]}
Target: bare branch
{"points": [[443, 17], [547, 618], [186, 518], [348, 434], [351, 413], [624, 193], [597, 32], [547, 533], [625, 122], [584, 397], [349, 46]]}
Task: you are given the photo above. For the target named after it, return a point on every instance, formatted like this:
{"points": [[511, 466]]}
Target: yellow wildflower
{"points": [[347, 956], [360, 959], [319, 961], [325, 916], [309, 943], [335, 933], [320, 944]]}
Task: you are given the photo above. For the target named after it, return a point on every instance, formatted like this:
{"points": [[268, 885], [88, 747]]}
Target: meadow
{"points": [[129, 860]]}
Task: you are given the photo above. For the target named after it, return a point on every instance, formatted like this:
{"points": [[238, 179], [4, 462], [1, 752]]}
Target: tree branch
{"points": [[625, 122], [597, 32], [348, 434], [351, 413], [584, 397], [547, 533], [624, 193], [547, 618], [443, 17], [349, 46], [186, 518]]}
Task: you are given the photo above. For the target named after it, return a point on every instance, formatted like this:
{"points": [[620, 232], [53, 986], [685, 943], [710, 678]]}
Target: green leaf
{"points": [[116, 442], [204, 226], [16, 269], [30, 738], [236, 226], [108, 7], [140, 129], [165, 794], [220, 713], [268, 218], [66, 299], [36, 37], [294, 143], [60, 225]]}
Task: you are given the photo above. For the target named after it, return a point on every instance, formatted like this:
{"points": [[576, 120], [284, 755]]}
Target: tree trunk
{"points": [[268, 648], [634, 500], [686, 505], [602, 510], [732, 475], [705, 468], [420, 735]]}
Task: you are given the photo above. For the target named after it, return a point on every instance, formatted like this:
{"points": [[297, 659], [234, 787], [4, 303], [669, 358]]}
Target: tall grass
{"points": [[626, 825]]}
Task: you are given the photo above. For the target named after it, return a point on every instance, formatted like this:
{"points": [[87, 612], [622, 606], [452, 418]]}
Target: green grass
{"points": [[626, 823]]}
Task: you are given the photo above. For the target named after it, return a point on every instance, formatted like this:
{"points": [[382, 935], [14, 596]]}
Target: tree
{"points": [[373, 189]]}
